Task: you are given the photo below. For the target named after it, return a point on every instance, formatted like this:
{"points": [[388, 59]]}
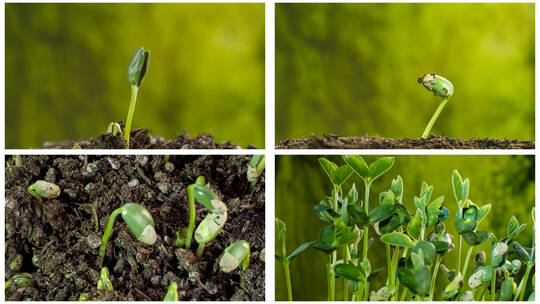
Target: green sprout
{"points": [[172, 293], [19, 280], [114, 128], [211, 225], [137, 69], [237, 253], [104, 283], [441, 87], [44, 189], [255, 169], [285, 259], [139, 221]]}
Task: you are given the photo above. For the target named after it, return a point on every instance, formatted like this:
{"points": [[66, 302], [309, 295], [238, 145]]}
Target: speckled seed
{"points": [[115, 164], [133, 183], [169, 167], [93, 240], [142, 159], [50, 175]]}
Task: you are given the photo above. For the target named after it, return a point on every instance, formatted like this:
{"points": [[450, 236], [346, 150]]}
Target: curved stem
{"points": [[459, 254], [389, 265], [329, 277], [200, 249], [493, 279], [434, 277], [288, 280], [465, 266], [523, 284], [434, 118], [191, 226], [333, 277], [134, 90], [108, 232], [346, 258]]}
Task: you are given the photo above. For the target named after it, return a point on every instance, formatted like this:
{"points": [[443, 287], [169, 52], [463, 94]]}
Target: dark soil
{"points": [[140, 139], [373, 142], [57, 239]]}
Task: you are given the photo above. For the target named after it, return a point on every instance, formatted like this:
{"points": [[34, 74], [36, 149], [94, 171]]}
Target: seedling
{"points": [[19, 280], [135, 75], [172, 293], [44, 189], [255, 169], [104, 283], [211, 225], [285, 259], [416, 243], [114, 128], [139, 221], [237, 253], [440, 87]]}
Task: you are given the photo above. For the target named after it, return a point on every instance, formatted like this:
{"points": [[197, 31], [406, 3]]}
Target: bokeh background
{"points": [[505, 182], [66, 70], [352, 69]]}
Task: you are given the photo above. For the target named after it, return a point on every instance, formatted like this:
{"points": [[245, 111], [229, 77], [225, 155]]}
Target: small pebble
{"points": [[163, 187], [262, 255], [155, 280], [142, 159], [115, 164], [91, 168], [93, 240], [133, 183], [10, 203], [169, 167], [186, 146], [89, 188]]}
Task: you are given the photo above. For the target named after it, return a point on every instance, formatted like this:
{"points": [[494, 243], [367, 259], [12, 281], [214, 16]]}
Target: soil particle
{"points": [[140, 139], [373, 142], [62, 235]]}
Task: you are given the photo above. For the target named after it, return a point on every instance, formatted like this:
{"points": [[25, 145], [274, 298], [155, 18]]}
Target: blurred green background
{"points": [[66, 70], [352, 69], [505, 182]]}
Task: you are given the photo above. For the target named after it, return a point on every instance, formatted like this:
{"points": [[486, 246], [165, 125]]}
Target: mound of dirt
{"points": [[373, 142], [58, 239], [140, 139]]}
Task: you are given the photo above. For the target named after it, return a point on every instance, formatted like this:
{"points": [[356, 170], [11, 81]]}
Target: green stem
{"points": [[434, 277], [404, 294], [366, 291], [333, 276], [329, 277], [345, 281], [459, 254], [134, 90], [108, 232], [464, 272], [200, 249], [287, 280], [523, 284], [389, 261], [366, 228], [493, 279], [434, 118], [191, 225]]}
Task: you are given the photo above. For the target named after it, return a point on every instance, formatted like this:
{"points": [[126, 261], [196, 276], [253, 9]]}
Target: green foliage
{"points": [[207, 73], [351, 69]]}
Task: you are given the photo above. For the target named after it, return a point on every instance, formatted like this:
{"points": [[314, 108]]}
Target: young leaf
{"points": [[380, 166], [397, 239], [417, 281], [324, 212], [353, 194], [428, 249], [300, 249], [461, 188], [357, 215], [337, 175], [415, 225], [343, 236], [358, 165], [328, 166], [282, 229], [453, 288], [381, 213], [514, 228], [475, 238], [483, 212], [350, 272], [397, 188]]}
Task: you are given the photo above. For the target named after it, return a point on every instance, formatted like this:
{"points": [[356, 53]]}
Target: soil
{"points": [[58, 239], [140, 139], [373, 142]]}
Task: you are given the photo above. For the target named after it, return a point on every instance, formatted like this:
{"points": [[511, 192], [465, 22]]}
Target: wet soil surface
{"points": [[58, 240], [140, 139], [373, 142]]}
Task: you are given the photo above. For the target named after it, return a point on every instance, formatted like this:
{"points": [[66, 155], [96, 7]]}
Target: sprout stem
{"points": [[134, 90], [288, 279], [434, 277], [200, 249], [464, 272], [108, 232], [523, 284], [329, 277], [191, 195], [434, 118], [345, 281], [493, 279]]}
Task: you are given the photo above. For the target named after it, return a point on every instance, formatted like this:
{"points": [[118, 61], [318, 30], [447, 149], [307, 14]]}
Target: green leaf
{"points": [[328, 166], [380, 166], [343, 236], [350, 272], [428, 249], [366, 266], [461, 188], [326, 235], [353, 194], [324, 212], [483, 212], [397, 239], [507, 289], [521, 251], [514, 228], [337, 175], [357, 215], [442, 247], [453, 288], [358, 165], [467, 220], [386, 198], [300, 249], [498, 254], [475, 238], [415, 225], [397, 188], [417, 281], [382, 212], [282, 229]]}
